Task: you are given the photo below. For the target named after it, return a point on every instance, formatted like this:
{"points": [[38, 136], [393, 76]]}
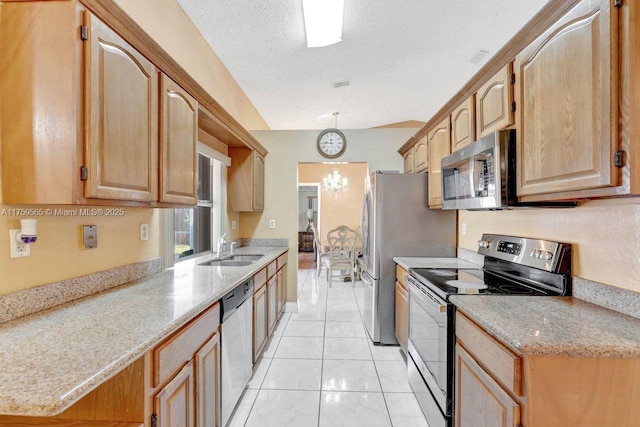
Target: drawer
{"points": [[172, 354], [401, 273], [282, 260], [272, 268], [259, 279], [503, 364]]}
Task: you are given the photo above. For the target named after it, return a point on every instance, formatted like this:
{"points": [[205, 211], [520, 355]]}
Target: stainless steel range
{"points": [[512, 266]]}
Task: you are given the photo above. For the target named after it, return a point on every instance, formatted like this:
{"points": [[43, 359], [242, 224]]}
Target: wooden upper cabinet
{"points": [[408, 160], [439, 147], [178, 138], [121, 101], [463, 124], [245, 180], [421, 155], [39, 106], [258, 181], [494, 102], [567, 95]]}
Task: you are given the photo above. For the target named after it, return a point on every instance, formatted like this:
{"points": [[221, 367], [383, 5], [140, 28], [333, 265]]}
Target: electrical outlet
{"points": [[272, 223], [18, 249], [234, 224], [144, 231], [463, 228]]}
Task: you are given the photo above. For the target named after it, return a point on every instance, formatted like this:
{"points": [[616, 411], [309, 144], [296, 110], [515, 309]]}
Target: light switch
{"points": [[90, 236]]}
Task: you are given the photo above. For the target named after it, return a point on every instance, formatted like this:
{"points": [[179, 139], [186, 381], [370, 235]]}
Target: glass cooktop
{"points": [[453, 281]]}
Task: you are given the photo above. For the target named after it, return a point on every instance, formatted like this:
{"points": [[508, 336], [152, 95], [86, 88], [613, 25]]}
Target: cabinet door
{"points": [[493, 103], [439, 146], [282, 289], [259, 321], [178, 156], [421, 155], [121, 99], [272, 302], [207, 371], [567, 97], [408, 161], [174, 404], [402, 316], [258, 182], [463, 124], [480, 401]]}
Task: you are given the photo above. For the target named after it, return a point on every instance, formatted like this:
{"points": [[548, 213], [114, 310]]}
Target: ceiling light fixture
{"points": [[323, 21]]}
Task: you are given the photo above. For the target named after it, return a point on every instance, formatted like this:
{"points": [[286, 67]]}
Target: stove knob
{"points": [[548, 256], [535, 253], [484, 243]]}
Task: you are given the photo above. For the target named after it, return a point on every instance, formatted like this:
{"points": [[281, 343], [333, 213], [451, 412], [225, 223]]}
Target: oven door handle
{"points": [[419, 291]]}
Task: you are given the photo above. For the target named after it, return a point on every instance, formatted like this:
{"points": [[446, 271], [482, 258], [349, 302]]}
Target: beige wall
{"points": [[58, 254], [605, 235], [166, 22], [377, 147], [342, 209]]}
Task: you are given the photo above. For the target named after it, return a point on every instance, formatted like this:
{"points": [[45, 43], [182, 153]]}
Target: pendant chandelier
{"points": [[334, 183]]}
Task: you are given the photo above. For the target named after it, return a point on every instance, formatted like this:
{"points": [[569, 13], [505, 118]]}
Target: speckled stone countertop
{"points": [[51, 359], [554, 326], [434, 262]]}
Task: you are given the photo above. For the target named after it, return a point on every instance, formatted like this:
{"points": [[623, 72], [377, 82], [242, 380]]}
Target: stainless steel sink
{"points": [[234, 260]]}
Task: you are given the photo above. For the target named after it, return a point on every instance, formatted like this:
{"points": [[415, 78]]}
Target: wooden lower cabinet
{"points": [[282, 289], [402, 316], [495, 386], [272, 303], [480, 401], [174, 405], [260, 319], [207, 373]]}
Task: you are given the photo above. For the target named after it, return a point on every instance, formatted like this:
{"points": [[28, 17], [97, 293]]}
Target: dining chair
{"points": [[342, 242], [322, 252]]}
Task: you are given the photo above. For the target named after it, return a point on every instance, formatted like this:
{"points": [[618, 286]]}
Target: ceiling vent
{"points": [[479, 57], [341, 83]]}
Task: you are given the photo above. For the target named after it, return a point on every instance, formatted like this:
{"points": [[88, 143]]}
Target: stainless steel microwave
{"points": [[481, 175]]}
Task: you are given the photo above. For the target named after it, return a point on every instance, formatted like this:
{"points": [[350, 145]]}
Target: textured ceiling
{"points": [[404, 58]]}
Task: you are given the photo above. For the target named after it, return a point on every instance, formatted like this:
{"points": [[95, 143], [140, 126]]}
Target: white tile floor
{"points": [[320, 368]]}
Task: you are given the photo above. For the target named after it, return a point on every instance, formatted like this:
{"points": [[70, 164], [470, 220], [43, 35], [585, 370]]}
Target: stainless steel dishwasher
{"points": [[236, 317]]}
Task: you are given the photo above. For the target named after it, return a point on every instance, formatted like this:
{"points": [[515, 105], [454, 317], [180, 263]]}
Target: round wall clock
{"points": [[331, 143]]}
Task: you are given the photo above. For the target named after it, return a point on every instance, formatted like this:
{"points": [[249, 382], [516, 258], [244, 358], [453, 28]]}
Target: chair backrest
{"points": [[342, 241], [316, 236]]}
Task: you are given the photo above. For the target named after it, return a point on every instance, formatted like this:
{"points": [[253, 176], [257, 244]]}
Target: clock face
{"points": [[331, 143]]}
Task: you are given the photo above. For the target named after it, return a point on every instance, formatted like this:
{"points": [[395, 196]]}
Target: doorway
{"points": [[308, 213], [334, 207]]}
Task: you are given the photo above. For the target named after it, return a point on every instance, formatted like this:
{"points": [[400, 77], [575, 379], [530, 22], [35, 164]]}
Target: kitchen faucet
{"points": [[233, 245], [221, 243]]}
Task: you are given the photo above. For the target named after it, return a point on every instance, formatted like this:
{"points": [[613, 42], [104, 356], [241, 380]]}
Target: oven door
{"points": [[431, 341]]}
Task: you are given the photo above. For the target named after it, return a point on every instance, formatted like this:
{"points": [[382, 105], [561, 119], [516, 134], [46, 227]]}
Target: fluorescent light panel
{"points": [[323, 21]]}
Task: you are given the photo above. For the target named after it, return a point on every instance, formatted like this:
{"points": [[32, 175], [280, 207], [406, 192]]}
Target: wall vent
{"points": [[341, 83], [479, 57]]}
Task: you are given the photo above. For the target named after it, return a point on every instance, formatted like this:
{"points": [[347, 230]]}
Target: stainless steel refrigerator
{"points": [[397, 222]]}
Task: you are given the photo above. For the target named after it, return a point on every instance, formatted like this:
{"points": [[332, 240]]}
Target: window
{"points": [[192, 226], [194, 229]]}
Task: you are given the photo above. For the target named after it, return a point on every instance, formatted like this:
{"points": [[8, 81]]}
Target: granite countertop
{"points": [[434, 262], [553, 326], [53, 358]]}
